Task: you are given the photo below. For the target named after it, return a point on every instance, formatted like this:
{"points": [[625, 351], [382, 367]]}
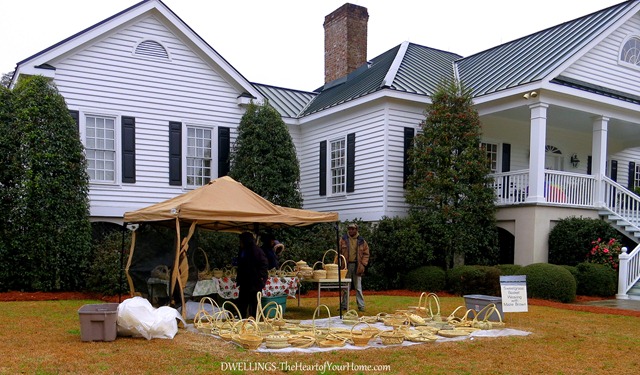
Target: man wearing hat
{"points": [[356, 251]]}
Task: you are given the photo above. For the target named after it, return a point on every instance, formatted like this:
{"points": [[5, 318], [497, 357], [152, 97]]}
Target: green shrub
{"points": [[574, 272], [426, 278], [397, 246], [509, 269], [570, 240], [596, 280], [550, 282], [463, 280], [104, 274]]}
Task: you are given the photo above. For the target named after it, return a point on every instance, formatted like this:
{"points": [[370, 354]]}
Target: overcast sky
{"points": [[281, 42]]}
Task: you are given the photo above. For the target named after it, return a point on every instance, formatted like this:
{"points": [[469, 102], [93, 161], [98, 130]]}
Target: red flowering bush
{"points": [[605, 252]]}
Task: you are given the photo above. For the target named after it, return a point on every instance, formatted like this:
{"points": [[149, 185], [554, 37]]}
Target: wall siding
{"points": [[107, 78], [400, 116], [366, 201], [601, 66]]}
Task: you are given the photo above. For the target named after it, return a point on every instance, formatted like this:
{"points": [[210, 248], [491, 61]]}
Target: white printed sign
{"points": [[514, 293]]}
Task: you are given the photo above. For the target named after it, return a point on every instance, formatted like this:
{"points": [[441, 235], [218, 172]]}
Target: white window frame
{"points": [[213, 138], [497, 153], [622, 46], [636, 176], [116, 144], [337, 189]]}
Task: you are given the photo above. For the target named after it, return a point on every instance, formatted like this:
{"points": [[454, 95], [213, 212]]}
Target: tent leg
{"points": [[121, 273], [337, 227]]}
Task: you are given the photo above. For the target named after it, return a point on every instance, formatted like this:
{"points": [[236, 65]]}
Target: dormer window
{"points": [[631, 51], [151, 48]]}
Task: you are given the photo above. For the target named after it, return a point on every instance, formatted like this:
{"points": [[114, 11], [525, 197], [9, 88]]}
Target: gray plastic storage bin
{"points": [[98, 322], [478, 301]]}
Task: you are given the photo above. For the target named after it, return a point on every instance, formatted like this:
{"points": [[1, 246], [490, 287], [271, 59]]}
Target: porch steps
{"points": [[622, 225], [634, 292]]}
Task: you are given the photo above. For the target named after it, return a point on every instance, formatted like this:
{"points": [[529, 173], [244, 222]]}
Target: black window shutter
{"points": [[409, 133], [224, 147], [175, 153], [323, 168], [75, 115], [614, 170], [351, 162], [506, 157], [128, 149], [632, 175], [589, 161]]}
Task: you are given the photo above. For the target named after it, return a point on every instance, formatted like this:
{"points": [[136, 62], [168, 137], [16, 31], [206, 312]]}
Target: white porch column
{"points": [[537, 144], [599, 155]]}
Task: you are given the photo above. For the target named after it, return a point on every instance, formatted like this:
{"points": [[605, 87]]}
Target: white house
{"points": [[158, 108]]}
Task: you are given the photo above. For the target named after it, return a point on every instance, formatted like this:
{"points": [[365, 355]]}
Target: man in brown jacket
{"points": [[356, 251]]}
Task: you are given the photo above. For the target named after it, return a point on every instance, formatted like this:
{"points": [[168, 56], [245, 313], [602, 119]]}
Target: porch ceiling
{"points": [[574, 120]]}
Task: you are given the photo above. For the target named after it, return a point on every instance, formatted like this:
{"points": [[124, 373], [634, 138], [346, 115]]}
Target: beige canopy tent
{"points": [[222, 205]]}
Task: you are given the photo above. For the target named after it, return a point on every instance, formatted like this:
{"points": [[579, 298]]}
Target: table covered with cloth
{"points": [[226, 287]]}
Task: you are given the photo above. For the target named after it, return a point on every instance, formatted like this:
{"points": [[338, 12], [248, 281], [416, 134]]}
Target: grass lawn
{"points": [[43, 337]]}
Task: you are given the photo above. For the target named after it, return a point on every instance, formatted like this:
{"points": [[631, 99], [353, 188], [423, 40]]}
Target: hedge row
{"points": [[544, 280]]}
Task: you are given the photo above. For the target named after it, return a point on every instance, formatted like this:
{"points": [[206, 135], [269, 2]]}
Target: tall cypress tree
{"points": [[264, 157], [449, 189], [51, 238]]}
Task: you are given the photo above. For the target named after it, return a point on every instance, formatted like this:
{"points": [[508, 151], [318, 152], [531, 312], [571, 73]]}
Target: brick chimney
{"points": [[345, 41]]}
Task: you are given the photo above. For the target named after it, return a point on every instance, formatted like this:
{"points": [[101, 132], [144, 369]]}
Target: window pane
{"points": [[198, 155], [100, 148], [338, 162]]}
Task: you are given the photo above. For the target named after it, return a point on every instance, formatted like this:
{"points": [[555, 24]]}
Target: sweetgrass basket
{"points": [[361, 337], [391, 337]]}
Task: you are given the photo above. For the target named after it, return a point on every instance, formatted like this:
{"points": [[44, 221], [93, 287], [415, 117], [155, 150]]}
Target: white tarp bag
{"points": [[137, 318]]}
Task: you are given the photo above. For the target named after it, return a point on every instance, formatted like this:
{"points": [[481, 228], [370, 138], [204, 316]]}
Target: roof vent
{"points": [[151, 48]]}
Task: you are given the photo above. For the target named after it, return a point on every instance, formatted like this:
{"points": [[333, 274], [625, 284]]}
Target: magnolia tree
{"points": [[43, 186], [449, 189], [264, 157]]}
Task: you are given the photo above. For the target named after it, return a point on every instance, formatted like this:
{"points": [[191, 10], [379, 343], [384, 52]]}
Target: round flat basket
{"points": [[421, 337], [391, 338], [328, 343], [277, 341], [301, 341]]}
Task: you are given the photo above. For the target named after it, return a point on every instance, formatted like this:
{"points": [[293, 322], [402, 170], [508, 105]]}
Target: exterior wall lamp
{"points": [[574, 160]]}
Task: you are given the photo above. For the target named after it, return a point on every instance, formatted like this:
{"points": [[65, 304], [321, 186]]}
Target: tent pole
{"points": [[337, 226]]}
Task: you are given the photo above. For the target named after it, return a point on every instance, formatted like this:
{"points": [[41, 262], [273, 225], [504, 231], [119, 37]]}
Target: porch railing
{"points": [[510, 187], [559, 187], [622, 202], [626, 205], [628, 271]]}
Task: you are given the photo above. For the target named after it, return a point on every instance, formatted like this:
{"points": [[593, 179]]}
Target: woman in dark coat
{"points": [[252, 274]]}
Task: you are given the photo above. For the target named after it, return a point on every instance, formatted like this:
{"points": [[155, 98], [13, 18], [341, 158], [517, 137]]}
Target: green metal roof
{"points": [[289, 103], [418, 69], [532, 58]]}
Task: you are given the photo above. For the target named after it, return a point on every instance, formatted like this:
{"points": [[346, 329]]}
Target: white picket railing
{"points": [[510, 187], [622, 202], [572, 189], [559, 188], [628, 271]]}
